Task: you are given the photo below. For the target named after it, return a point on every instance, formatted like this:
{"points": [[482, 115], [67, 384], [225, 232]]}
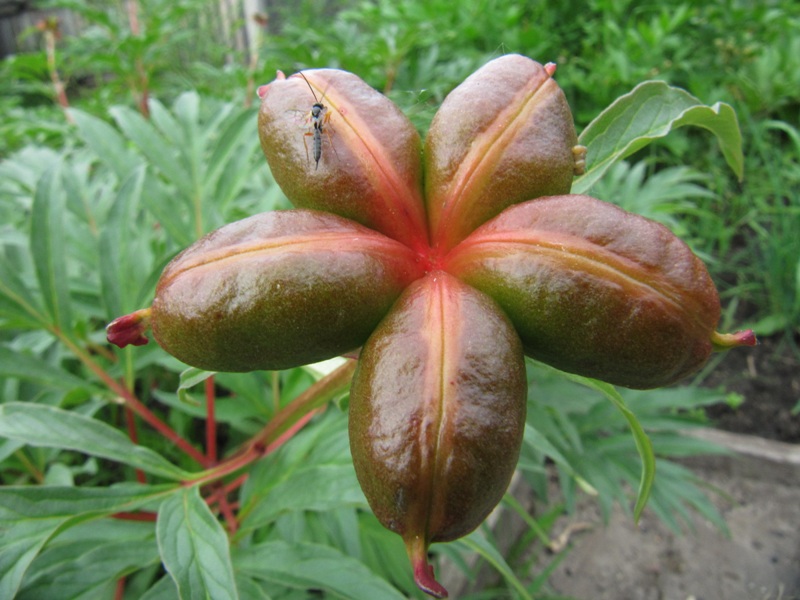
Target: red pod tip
{"points": [[726, 341], [130, 329], [423, 572]]}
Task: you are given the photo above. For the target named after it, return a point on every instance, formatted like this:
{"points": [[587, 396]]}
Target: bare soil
{"points": [[768, 377], [760, 560]]}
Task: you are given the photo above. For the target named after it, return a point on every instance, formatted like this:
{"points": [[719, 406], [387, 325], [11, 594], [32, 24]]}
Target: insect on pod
{"points": [[319, 118]]}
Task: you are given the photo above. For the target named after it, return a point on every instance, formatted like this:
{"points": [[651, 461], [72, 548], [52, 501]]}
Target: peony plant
{"points": [[441, 267]]}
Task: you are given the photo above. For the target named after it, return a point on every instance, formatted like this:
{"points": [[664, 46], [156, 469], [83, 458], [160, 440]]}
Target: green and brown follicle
{"points": [[445, 286]]}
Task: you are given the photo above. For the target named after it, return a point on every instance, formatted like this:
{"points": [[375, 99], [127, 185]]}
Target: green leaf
{"points": [[477, 542], [536, 440], [194, 548], [30, 516], [22, 543], [242, 124], [650, 111], [161, 204], [163, 589], [304, 565], [75, 575], [119, 285], [20, 300], [160, 154], [48, 248], [317, 488], [107, 143], [29, 368], [19, 503], [643, 445], [49, 427], [190, 378]]}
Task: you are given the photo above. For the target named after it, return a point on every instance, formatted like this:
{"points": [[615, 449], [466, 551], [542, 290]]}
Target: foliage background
{"points": [[158, 147]]}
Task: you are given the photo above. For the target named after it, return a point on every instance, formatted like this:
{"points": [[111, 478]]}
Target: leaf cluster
{"points": [[86, 232]]}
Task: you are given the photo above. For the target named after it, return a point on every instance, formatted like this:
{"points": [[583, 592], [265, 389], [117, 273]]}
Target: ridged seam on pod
{"points": [[505, 135], [595, 290], [372, 173], [437, 413], [278, 290]]}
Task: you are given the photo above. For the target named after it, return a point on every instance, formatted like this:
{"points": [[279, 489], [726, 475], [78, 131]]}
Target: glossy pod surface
{"points": [[503, 136], [370, 169], [595, 290], [437, 412], [278, 290]]}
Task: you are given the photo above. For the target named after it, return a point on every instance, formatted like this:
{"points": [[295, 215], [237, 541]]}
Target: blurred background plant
{"points": [[131, 134]]}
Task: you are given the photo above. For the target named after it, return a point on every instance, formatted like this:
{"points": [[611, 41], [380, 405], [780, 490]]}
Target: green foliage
{"points": [[86, 229]]}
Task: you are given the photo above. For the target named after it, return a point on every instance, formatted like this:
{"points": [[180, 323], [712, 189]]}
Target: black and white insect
{"points": [[318, 118]]}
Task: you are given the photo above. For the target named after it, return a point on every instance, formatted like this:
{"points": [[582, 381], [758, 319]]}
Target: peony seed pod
{"points": [[278, 290], [503, 136], [595, 290], [437, 413], [369, 168]]}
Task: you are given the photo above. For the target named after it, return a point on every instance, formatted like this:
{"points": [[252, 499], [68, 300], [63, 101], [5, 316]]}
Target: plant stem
{"points": [[50, 29], [142, 81], [276, 391], [132, 401], [318, 394], [29, 466], [211, 422], [149, 517], [285, 423], [119, 592], [130, 420]]}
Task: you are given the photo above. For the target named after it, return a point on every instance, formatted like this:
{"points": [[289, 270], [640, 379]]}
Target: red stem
{"points": [[135, 516], [134, 403], [58, 85], [230, 518], [119, 592], [130, 420], [285, 423], [211, 422], [132, 7]]}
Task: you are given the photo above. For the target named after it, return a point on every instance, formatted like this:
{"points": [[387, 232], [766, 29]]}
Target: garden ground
{"points": [[760, 501]]}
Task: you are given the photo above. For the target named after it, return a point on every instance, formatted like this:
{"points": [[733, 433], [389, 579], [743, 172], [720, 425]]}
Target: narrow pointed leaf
{"points": [[478, 543], [194, 548], [48, 247], [161, 204], [106, 142], [190, 378], [643, 445], [304, 565], [19, 503], [30, 516], [30, 368], [163, 589], [649, 112], [228, 142], [18, 297], [22, 543], [93, 574], [166, 123], [119, 284], [160, 154], [45, 426], [317, 488]]}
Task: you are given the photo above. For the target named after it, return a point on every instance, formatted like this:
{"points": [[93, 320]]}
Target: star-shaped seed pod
{"points": [[445, 266]]}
